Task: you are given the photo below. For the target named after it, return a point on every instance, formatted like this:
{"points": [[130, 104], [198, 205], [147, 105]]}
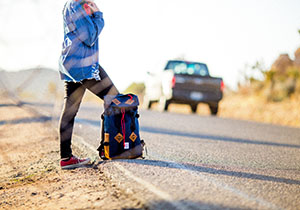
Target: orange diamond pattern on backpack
{"points": [[133, 137], [116, 101], [119, 137], [129, 101]]}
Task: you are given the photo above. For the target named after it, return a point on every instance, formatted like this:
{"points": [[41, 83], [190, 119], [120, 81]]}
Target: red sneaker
{"points": [[74, 162]]}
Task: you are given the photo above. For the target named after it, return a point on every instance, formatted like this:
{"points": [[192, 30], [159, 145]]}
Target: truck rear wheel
{"points": [[194, 107], [147, 103], [163, 104], [214, 108]]}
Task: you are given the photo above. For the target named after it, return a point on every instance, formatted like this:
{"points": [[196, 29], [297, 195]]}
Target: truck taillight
{"points": [[173, 82], [222, 87]]}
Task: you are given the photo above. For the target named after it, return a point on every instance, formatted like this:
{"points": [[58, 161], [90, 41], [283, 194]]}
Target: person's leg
{"points": [[73, 96], [103, 87]]}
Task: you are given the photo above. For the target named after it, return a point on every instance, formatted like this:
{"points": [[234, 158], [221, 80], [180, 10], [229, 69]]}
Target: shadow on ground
{"points": [[209, 170], [185, 204], [26, 120], [199, 136]]}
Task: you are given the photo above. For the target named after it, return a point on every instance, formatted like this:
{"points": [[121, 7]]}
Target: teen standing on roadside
{"points": [[80, 69]]}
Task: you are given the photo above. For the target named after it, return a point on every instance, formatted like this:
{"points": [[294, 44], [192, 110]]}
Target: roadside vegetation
{"points": [[268, 95]]}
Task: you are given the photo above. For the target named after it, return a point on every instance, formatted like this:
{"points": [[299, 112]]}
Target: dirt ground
{"points": [[30, 174]]}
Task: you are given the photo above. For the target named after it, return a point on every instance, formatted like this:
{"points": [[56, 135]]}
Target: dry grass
{"points": [[255, 108]]}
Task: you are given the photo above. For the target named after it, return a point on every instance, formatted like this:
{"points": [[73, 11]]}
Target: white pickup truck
{"points": [[185, 83]]}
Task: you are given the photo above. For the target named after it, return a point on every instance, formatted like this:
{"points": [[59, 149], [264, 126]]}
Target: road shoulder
{"points": [[30, 174]]}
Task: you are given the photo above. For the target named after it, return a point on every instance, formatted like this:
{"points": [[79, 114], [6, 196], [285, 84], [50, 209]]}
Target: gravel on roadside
{"points": [[30, 174]]}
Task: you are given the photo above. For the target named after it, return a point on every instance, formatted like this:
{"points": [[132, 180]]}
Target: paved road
{"points": [[199, 162]]}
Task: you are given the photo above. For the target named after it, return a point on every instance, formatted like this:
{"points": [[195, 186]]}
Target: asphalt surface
{"points": [[202, 162]]}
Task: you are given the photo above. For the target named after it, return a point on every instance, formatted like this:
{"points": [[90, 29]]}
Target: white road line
{"points": [[79, 141], [167, 197], [223, 185], [163, 195]]}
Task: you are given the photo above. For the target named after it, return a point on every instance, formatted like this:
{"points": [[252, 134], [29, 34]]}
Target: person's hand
{"points": [[87, 9], [92, 6]]}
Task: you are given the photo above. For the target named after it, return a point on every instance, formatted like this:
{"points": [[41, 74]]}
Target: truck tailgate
{"points": [[197, 83], [198, 88]]}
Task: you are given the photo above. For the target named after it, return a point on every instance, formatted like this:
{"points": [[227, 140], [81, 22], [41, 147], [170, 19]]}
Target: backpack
{"points": [[120, 138]]}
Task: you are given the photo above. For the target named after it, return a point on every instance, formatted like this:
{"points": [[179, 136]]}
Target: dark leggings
{"points": [[73, 95]]}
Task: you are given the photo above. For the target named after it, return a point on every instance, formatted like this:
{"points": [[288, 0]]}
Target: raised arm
{"points": [[86, 27]]}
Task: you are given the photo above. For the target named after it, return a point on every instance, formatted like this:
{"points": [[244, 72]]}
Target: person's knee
{"points": [[70, 108]]}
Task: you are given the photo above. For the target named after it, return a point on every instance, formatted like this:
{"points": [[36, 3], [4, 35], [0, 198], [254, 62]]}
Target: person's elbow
{"points": [[87, 38], [92, 39]]}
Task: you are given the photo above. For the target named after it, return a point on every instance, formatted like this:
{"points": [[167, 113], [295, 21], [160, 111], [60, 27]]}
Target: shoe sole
{"points": [[84, 163]]}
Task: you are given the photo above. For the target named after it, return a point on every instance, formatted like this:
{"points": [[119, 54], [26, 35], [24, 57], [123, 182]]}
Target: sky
{"points": [[141, 35]]}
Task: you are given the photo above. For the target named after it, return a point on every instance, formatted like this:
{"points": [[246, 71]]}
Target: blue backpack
{"points": [[120, 138]]}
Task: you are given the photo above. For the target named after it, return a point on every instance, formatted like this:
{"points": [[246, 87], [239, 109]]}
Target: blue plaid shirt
{"points": [[79, 58]]}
